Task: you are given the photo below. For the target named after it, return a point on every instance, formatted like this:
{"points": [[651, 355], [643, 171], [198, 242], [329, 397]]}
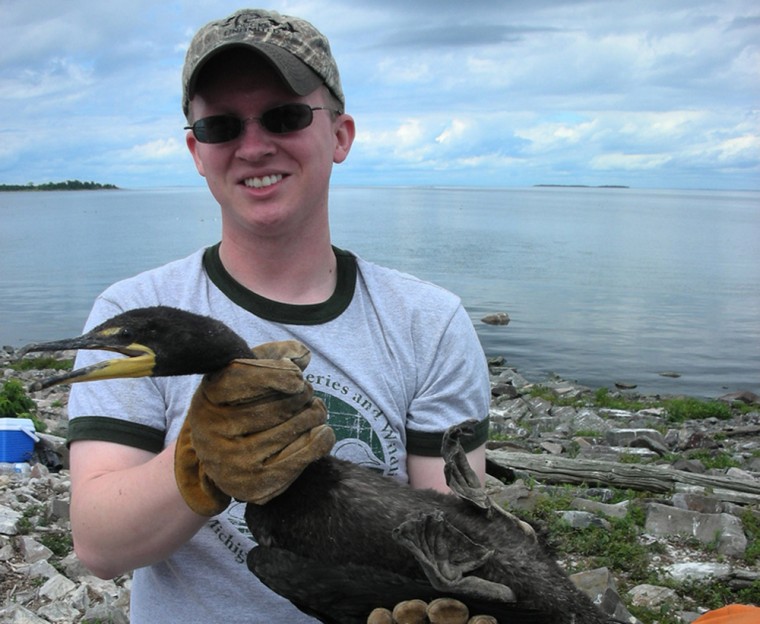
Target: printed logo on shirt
{"points": [[364, 436], [225, 532]]}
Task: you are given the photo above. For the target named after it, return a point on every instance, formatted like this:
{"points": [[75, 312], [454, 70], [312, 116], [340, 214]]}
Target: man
{"points": [[396, 360]]}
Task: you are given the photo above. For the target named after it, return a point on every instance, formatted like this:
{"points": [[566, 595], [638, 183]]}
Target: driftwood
{"points": [[551, 469], [750, 430]]}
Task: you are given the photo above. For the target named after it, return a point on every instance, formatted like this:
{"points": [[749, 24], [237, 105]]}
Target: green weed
{"points": [[14, 402], [59, 542], [752, 531], [45, 362], [689, 408], [714, 459]]}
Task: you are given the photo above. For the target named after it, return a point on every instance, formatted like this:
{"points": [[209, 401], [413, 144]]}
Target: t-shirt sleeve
{"points": [[454, 387], [125, 411]]}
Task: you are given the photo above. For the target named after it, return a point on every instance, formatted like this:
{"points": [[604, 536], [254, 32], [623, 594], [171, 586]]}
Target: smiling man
{"points": [[395, 360]]}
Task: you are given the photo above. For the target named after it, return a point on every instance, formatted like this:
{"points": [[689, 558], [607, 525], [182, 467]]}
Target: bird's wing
{"points": [[334, 594], [347, 593]]}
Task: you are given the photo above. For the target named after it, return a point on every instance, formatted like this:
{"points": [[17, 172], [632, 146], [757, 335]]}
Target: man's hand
{"points": [[250, 430]]}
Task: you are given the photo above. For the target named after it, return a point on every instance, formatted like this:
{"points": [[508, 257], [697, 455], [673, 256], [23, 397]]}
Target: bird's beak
{"points": [[139, 362]]}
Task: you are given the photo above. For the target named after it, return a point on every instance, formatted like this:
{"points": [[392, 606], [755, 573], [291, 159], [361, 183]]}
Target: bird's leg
{"points": [[463, 481], [460, 476]]}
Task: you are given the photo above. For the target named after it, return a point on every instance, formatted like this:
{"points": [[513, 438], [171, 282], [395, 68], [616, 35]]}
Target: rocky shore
{"points": [[653, 504]]}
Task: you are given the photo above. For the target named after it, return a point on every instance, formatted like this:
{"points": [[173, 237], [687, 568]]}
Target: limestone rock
{"points": [[652, 596], [725, 529], [497, 318]]}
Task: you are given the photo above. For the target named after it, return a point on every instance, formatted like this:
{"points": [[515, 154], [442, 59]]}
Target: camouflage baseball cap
{"points": [[297, 50]]}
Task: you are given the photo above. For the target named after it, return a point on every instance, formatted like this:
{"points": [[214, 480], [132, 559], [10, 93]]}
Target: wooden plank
{"points": [[553, 469]]}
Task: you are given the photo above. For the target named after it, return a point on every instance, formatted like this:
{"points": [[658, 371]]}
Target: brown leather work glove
{"points": [[438, 611], [250, 430]]}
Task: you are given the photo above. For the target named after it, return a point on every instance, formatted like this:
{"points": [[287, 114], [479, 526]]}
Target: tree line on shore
{"points": [[68, 185]]}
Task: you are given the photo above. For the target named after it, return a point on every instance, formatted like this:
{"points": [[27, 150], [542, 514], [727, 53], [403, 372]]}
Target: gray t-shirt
{"points": [[396, 360]]}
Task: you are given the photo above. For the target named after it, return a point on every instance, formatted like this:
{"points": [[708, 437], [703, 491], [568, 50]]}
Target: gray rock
{"points": [[16, 614], [614, 453], [695, 570], [745, 397], [723, 531], [583, 519], [41, 569], [515, 410], [74, 568], [553, 448], [696, 502], [652, 596], [565, 413], [601, 586], [497, 318], [517, 496], [8, 520], [504, 391], [57, 587], [738, 473], [59, 611], [589, 420], [539, 407], [627, 437], [32, 550], [619, 510], [511, 376], [690, 465], [106, 613]]}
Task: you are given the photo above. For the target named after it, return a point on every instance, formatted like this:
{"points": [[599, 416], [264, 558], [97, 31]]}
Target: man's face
{"points": [[267, 184]]}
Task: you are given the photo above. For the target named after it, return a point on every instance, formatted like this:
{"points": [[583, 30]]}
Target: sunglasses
{"points": [[278, 120]]}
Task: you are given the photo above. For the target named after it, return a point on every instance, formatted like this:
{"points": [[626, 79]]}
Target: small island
{"points": [[68, 185], [611, 186]]}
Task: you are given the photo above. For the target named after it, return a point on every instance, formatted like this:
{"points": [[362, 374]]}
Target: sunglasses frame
{"points": [[199, 131]]}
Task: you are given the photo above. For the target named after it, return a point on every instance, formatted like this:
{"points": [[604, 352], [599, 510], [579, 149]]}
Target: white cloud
{"points": [[458, 129], [160, 149], [545, 137], [510, 92], [628, 162], [394, 73], [58, 76], [746, 147]]}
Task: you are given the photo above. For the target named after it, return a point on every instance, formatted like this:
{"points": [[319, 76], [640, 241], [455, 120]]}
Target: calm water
{"points": [[602, 285]]}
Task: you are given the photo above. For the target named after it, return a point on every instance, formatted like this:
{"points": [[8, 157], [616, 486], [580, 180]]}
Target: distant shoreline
{"points": [[69, 185], [614, 186]]}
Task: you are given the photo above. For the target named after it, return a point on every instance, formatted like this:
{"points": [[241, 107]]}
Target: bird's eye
{"points": [[124, 332]]}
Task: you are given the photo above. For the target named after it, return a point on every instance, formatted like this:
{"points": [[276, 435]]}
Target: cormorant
{"points": [[343, 539]]}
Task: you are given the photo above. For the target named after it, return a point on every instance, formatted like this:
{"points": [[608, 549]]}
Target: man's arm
{"points": [[427, 472], [126, 510]]}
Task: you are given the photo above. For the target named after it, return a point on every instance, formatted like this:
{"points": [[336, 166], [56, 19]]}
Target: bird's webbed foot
{"points": [[460, 476], [447, 555], [463, 481]]}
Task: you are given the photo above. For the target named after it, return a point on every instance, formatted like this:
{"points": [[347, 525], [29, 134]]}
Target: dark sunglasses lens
{"points": [[217, 129], [288, 118]]}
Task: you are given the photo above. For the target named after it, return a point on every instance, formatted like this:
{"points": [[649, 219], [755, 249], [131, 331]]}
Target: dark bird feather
{"points": [[344, 539]]}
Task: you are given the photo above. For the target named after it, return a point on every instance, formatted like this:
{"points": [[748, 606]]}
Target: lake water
{"points": [[602, 285]]}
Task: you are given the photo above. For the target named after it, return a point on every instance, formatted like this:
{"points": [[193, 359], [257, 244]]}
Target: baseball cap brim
{"points": [[301, 79]]}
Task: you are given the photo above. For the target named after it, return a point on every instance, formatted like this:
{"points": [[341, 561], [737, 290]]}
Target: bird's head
{"points": [[157, 341]]}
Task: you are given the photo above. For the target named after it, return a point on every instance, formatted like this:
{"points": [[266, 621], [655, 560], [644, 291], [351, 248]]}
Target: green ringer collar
{"points": [[311, 314]]}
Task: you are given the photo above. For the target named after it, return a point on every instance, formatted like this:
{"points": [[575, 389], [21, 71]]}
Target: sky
{"points": [[485, 93]]}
